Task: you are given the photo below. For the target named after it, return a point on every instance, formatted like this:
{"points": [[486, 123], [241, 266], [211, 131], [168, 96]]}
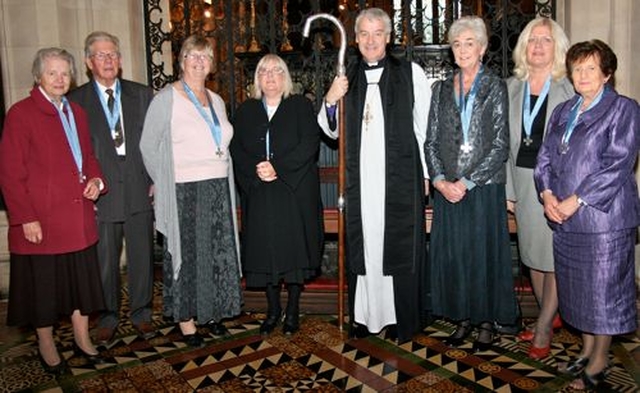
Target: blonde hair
{"points": [[272, 58], [558, 70]]}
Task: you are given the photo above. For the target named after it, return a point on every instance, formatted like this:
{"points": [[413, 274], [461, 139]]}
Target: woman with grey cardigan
{"points": [[184, 145]]}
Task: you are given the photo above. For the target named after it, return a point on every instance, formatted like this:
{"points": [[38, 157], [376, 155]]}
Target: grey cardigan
{"points": [[157, 153]]}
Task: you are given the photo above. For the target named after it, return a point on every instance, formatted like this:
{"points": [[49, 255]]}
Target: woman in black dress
{"points": [[275, 149]]}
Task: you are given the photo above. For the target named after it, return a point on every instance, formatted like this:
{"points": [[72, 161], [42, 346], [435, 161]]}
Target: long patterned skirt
{"points": [[470, 258], [596, 285], [208, 286]]}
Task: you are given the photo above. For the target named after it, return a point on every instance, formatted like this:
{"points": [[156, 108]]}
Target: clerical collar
{"points": [[372, 66]]}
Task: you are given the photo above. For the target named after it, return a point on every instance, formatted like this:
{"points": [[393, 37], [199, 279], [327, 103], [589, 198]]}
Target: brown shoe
{"points": [[104, 335], [145, 330]]}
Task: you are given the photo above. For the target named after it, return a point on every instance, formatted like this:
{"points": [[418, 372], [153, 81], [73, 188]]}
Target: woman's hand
{"points": [[92, 189], [511, 207], [338, 89], [32, 232], [452, 192], [551, 207], [568, 207], [266, 172]]}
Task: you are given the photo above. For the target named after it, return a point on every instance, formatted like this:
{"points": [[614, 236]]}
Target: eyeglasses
{"points": [[197, 56], [102, 56], [542, 40], [271, 71]]}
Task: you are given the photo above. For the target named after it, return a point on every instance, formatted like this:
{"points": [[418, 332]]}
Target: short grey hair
{"points": [[374, 14], [471, 23], [272, 58], [99, 36], [48, 53], [195, 42]]}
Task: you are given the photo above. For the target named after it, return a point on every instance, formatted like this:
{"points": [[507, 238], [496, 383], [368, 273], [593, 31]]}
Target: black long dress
{"points": [[281, 220]]}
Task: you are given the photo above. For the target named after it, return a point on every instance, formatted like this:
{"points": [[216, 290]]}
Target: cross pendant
{"points": [[219, 153], [368, 117], [528, 141], [466, 148]]}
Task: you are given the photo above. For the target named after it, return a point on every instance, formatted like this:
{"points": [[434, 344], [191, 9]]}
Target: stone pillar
{"points": [[28, 25]]}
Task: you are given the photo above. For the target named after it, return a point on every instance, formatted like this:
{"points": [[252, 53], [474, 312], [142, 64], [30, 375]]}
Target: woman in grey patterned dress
{"points": [[185, 148]]}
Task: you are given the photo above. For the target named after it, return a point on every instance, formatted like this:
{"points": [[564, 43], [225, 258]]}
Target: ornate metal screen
{"points": [[241, 31]]}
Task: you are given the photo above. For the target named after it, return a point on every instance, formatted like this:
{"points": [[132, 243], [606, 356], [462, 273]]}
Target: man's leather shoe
{"points": [[357, 330], [104, 335], [145, 330]]}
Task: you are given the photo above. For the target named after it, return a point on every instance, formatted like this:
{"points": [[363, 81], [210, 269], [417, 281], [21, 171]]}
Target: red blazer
{"points": [[40, 181]]}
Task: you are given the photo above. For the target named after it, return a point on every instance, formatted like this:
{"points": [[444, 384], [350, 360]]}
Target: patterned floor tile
{"points": [[318, 358]]}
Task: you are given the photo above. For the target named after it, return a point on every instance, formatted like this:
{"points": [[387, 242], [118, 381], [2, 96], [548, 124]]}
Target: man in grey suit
{"points": [[116, 109]]}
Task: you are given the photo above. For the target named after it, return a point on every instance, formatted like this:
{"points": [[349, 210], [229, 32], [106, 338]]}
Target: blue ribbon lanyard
{"points": [[214, 125], [112, 117], [466, 106], [529, 115], [573, 120], [71, 132]]}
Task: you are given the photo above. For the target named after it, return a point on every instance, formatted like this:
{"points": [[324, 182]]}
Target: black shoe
{"points": [[56, 370], [92, 359], [269, 324], [591, 382], [486, 335], [193, 340], [145, 330], [289, 328], [291, 324], [459, 335], [358, 331], [217, 328], [391, 333]]}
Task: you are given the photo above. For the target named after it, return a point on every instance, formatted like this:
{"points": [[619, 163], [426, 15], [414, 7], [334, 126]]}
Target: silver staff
{"points": [[340, 69], [343, 37]]}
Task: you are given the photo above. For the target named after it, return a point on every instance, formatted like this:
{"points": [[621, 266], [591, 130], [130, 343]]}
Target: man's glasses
{"points": [[102, 56]]}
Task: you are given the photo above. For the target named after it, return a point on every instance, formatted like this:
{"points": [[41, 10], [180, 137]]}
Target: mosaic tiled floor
{"points": [[316, 359]]}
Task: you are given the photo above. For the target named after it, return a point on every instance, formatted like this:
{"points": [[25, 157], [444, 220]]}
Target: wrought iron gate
{"points": [[241, 31]]}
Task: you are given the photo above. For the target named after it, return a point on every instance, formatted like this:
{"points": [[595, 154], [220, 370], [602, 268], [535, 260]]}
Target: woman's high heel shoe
{"points": [[591, 382], [486, 335], [573, 367], [537, 353], [57, 370], [93, 359], [459, 335], [528, 334]]}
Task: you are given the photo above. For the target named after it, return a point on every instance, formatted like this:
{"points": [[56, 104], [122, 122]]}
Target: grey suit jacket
{"points": [[129, 183], [559, 91]]}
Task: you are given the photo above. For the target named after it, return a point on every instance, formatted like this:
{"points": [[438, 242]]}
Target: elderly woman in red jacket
{"points": [[50, 180]]}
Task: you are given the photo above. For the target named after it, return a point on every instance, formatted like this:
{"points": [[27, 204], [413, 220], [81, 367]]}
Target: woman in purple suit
{"points": [[585, 176]]}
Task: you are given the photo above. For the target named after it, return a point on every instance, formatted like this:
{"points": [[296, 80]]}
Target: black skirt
{"points": [[44, 287]]}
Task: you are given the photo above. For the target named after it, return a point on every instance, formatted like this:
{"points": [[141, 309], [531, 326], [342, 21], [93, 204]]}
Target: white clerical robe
{"points": [[374, 304]]}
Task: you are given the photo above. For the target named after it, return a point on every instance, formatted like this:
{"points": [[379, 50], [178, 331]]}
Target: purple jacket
{"points": [[599, 166]]}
